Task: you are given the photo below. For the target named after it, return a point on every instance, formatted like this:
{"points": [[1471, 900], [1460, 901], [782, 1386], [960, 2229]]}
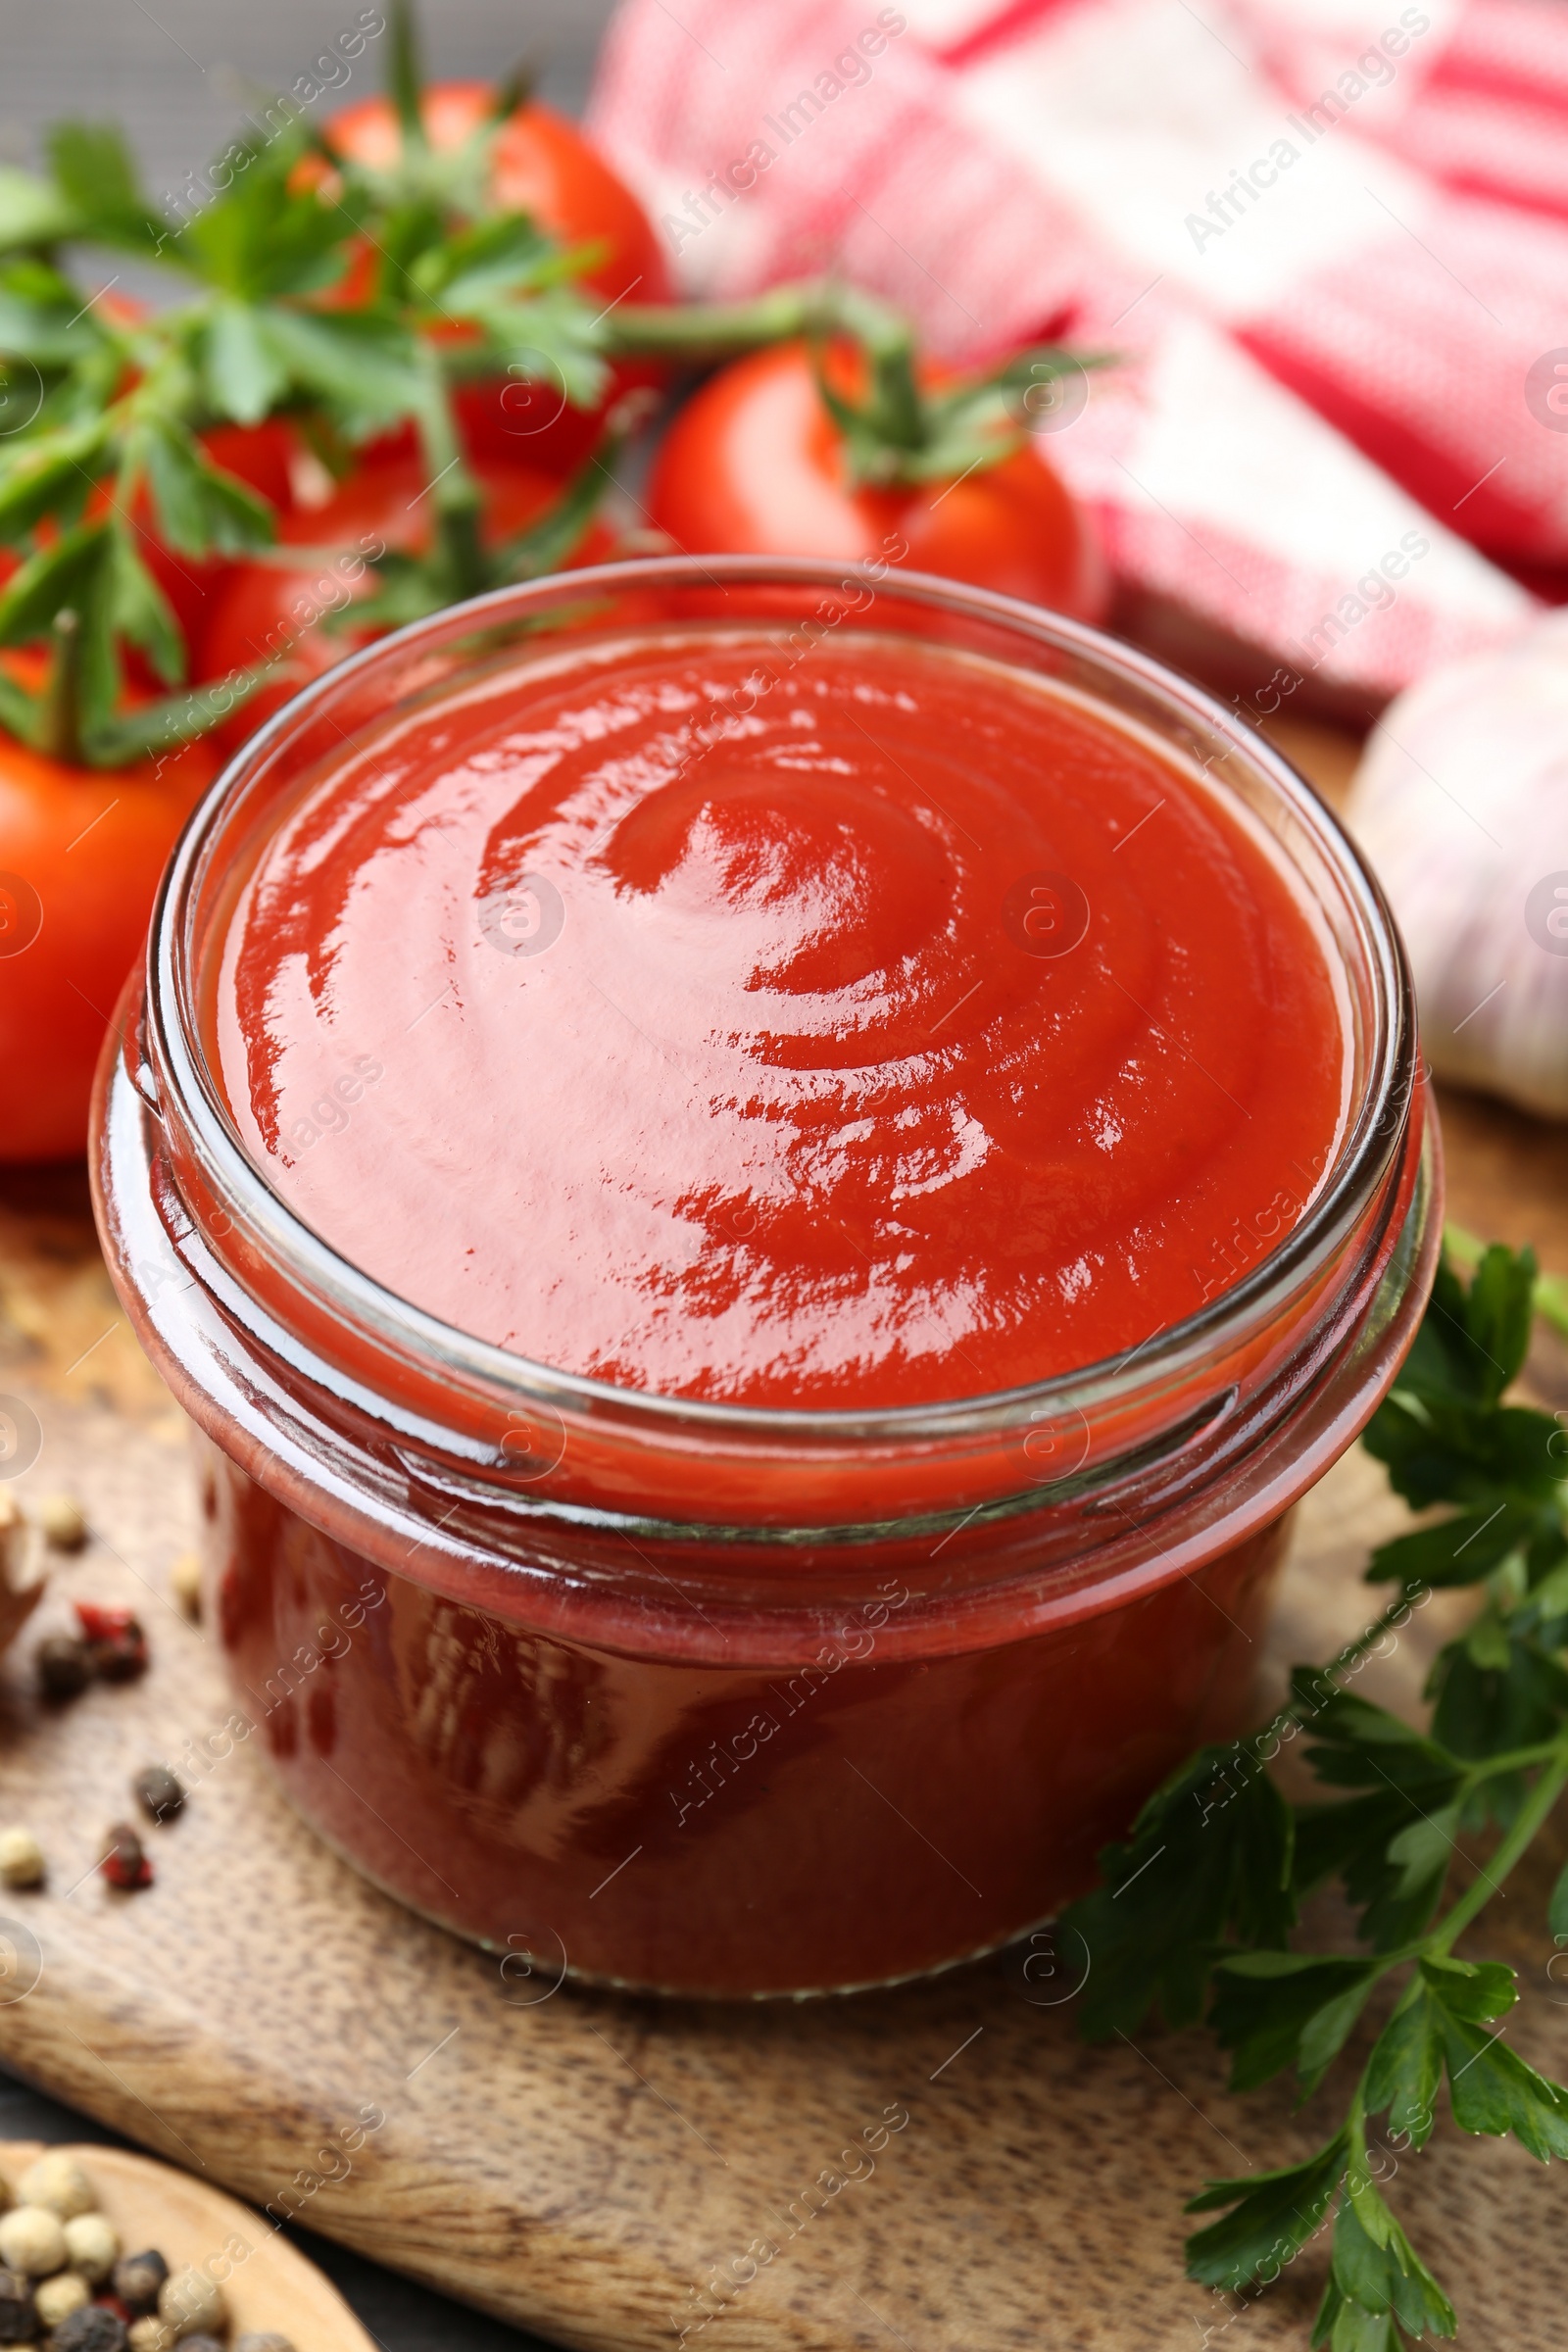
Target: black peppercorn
{"points": [[159, 1792], [19, 2321], [62, 1666], [120, 1657], [92, 2328], [138, 2278]]}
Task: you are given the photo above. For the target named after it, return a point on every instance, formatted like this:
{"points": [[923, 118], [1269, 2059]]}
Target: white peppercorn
{"points": [[58, 2181], [21, 1862], [190, 2301], [64, 1522], [56, 2298], [185, 1576], [149, 2335], [269, 2340], [33, 2241], [92, 2245]]}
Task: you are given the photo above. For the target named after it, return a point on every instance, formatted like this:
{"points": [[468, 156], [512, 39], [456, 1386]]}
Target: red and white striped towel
{"points": [[1117, 170]]}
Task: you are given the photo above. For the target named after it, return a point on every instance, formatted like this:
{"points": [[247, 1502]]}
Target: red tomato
{"points": [[262, 609], [754, 465], [82, 851], [543, 166]]}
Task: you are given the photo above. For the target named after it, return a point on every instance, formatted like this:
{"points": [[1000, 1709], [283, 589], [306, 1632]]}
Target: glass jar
{"points": [[714, 1699]]}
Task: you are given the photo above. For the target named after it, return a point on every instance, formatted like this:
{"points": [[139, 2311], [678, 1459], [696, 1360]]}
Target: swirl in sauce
{"points": [[912, 1032]]}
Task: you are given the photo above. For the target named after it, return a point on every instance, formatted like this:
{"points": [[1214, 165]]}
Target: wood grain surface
{"points": [[268, 2289], [586, 2163]]}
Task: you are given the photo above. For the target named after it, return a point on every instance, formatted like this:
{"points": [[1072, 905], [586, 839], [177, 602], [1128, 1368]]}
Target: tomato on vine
{"points": [[781, 454], [537, 163]]}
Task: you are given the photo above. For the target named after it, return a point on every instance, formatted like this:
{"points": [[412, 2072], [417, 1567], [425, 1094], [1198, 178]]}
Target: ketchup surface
{"points": [[866, 1028]]}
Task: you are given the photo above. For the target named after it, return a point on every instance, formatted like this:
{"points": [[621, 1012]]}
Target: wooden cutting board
{"points": [[583, 2163]]}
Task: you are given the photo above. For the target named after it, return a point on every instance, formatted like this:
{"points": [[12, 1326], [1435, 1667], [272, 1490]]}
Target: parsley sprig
{"points": [[1197, 1910], [111, 406]]}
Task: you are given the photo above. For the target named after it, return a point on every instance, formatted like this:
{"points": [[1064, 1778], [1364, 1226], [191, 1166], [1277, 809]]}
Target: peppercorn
{"points": [[92, 2246], [92, 2328], [57, 2179], [199, 2343], [117, 1646], [19, 2317], [64, 1666], [150, 2335], [21, 1858], [126, 1865], [191, 2303], [267, 2342], [58, 2297], [31, 2241], [64, 1522], [185, 1578], [137, 2279], [159, 1792]]}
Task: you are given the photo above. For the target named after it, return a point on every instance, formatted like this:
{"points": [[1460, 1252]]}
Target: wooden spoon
{"points": [[266, 2284]]}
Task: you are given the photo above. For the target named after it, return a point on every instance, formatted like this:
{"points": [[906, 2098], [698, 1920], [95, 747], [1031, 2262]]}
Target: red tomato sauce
{"points": [[865, 1028]]}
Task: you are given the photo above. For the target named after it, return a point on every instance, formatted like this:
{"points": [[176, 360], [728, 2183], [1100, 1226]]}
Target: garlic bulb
{"points": [[1461, 805]]}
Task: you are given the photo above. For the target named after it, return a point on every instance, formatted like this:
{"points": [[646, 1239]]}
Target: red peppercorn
{"points": [[117, 1646], [99, 1622], [126, 1865]]}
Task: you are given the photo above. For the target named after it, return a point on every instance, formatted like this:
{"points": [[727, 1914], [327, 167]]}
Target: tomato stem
{"points": [[448, 483], [58, 711], [405, 74], [719, 329]]}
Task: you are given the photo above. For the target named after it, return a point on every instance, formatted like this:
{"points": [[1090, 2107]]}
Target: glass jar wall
{"points": [[720, 1698]]}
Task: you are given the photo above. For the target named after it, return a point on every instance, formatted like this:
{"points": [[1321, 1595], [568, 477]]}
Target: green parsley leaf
{"points": [[365, 366], [265, 237], [1557, 1908], [1272, 2217], [199, 508], [243, 375], [97, 178], [52, 581], [1405, 2069], [1377, 2269], [49, 473], [1493, 2091], [1477, 1990], [1279, 2009], [1210, 1849], [141, 612], [1461, 1550], [32, 211]]}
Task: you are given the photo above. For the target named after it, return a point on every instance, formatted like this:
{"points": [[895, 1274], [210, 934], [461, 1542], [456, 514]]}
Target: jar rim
{"points": [[1372, 1139]]}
